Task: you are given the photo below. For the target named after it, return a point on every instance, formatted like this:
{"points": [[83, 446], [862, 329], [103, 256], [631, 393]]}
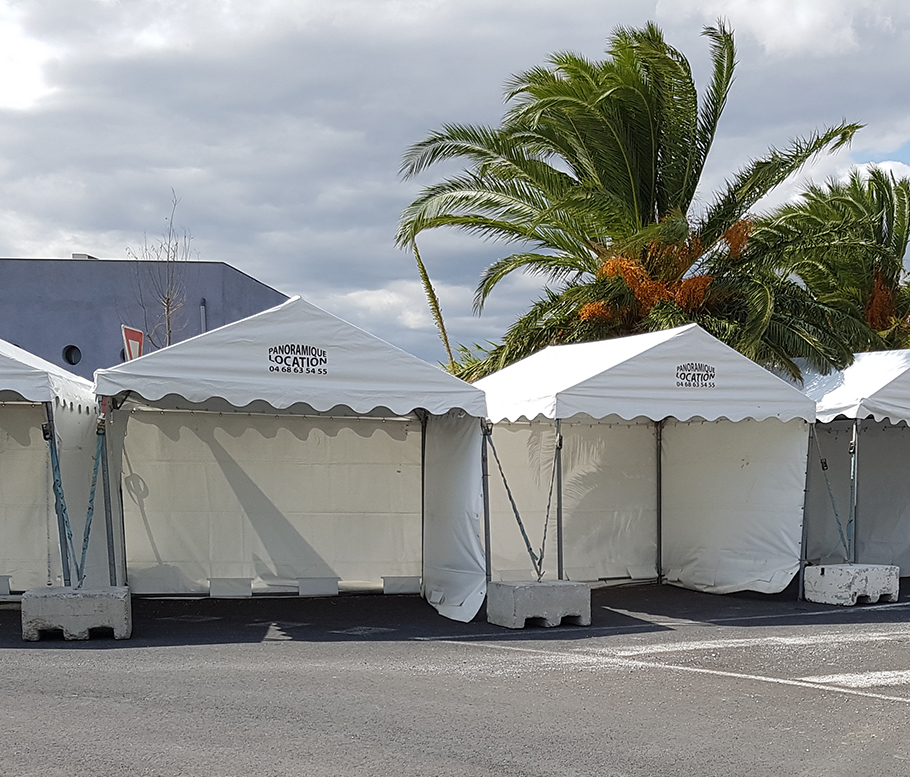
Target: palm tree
{"points": [[593, 173], [846, 242]]}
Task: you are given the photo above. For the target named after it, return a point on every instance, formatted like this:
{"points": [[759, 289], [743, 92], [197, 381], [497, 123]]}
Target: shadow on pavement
{"points": [[371, 617]]}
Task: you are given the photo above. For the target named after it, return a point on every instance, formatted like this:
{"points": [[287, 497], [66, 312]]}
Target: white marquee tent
{"points": [[858, 506], [36, 395], [291, 445], [680, 458]]}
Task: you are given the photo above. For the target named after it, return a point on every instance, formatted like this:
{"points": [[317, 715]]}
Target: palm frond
{"points": [[763, 174], [555, 268], [435, 308]]}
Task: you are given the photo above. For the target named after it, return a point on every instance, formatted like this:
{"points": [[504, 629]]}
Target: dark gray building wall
{"points": [[49, 304]]}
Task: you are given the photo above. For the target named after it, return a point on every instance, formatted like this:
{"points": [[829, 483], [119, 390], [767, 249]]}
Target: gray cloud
{"points": [[281, 126]]}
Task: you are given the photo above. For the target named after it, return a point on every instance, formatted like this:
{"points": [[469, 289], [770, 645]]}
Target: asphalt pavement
{"points": [[664, 682]]}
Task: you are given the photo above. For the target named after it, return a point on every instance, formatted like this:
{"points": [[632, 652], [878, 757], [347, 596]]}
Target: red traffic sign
{"points": [[132, 342]]}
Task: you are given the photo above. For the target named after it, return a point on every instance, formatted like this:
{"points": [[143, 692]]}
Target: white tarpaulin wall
{"points": [[732, 503], [723, 529], [276, 498], [873, 394], [236, 467], [272, 499], [731, 488], [29, 536], [29, 543], [453, 561], [609, 499], [883, 494]]}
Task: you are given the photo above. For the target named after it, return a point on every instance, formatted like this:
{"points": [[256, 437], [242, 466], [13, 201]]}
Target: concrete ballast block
{"points": [[317, 586], [401, 584], [75, 611], [4, 584], [510, 604], [845, 584]]}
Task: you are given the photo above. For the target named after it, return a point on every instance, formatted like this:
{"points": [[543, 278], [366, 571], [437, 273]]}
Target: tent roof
{"points": [[291, 354], [37, 380], [877, 384], [681, 373]]}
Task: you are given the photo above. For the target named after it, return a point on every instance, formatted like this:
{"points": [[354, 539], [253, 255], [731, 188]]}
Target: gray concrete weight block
{"points": [[76, 611], [845, 584], [512, 603]]}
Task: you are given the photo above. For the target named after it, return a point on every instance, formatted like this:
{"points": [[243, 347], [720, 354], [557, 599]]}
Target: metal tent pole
{"points": [[422, 415], [854, 492], [126, 571], [59, 507], [106, 489], [558, 456], [487, 429], [121, 523], [659, 427], [804, 535]]}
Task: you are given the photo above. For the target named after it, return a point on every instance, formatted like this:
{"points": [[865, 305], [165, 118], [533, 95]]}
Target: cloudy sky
{"points": [[280, 124]]}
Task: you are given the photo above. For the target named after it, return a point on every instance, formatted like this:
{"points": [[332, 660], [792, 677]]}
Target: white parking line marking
{"points": [[746, 642], [772, 680], [863, 679], [635, 664], [662, 620]]}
